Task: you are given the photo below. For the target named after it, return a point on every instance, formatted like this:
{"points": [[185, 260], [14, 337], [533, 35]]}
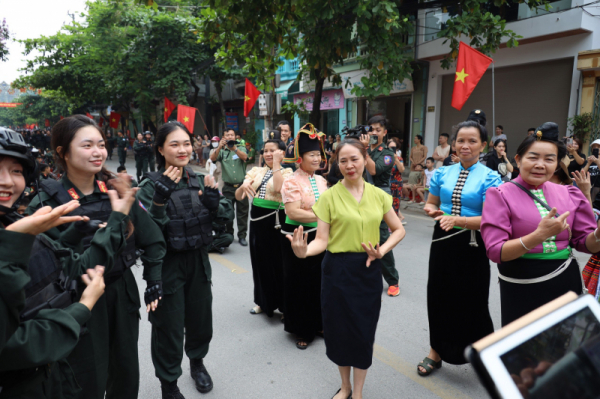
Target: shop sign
{"points": [[231, 119], [330, 99], [351, 79]]}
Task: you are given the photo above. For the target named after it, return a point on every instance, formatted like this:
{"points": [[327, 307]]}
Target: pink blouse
{"points": [[297, 187], [509, 213]]}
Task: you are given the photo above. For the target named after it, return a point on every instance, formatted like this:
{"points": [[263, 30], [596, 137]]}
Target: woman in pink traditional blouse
{"points": [[302, 277], [532, 244]]}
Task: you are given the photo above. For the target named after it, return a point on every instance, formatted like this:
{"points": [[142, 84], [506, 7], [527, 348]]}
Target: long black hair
{"points": [[161, 137]]}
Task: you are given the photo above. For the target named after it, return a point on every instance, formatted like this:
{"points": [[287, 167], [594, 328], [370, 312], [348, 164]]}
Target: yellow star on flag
{"points": [[114, 120], [186, 119], [246, 98], [166, 109], [461, 76]]}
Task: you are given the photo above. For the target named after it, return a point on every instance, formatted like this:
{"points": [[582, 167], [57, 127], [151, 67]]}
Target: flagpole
{"points": [[493, 100]]}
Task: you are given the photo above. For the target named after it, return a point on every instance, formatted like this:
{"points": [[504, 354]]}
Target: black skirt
{"points": [[301, 289], [267, 268], [517, 300], [457, 294], [351, 302]]}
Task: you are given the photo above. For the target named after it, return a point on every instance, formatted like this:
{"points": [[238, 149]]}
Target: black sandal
{"points": [[429, 365], [338, 391], [301, 347]]}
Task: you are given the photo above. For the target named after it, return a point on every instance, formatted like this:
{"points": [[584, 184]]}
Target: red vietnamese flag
{"points": [[169, 108], [47, 122], [186, 115], [470, 67], [114, 120], [89, 115], [101, 122], [62, 117], [250, 96]]}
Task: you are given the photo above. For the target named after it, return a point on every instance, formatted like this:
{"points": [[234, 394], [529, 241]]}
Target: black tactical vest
{"points": [[95, 210], [190, 223], [48, 288]]}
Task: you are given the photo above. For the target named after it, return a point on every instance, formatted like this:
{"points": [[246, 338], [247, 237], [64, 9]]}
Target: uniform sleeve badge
{"points": [[102, 186], [73, 194], [387, 159], [142, 206]]}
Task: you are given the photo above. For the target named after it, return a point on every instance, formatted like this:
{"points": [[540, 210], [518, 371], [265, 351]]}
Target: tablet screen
{"points": [[563, 361]]}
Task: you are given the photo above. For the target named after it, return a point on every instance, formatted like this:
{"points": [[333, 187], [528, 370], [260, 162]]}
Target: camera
{"points": [[231, 143], [356, 131]]}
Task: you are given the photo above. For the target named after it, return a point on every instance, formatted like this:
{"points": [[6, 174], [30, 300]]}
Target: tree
{"points": [[36, 109], [125, 54], [322, 34], [219, 76], [4, 37]]}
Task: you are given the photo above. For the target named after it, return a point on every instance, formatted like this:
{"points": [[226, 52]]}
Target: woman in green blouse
{"points": [[349, 215]]}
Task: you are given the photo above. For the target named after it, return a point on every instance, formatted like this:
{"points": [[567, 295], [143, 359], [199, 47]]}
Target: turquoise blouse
{"points": [[479, 180]]}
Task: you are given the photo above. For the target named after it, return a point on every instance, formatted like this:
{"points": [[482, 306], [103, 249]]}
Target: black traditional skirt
{"points": [[457, 293], [351, 302], [265, 254], [517, 300], [301, 289]]}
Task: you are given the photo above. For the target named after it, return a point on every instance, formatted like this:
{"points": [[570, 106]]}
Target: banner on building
{"points": [[354, 79], [9, 105], [330, 99], [231, 118]]}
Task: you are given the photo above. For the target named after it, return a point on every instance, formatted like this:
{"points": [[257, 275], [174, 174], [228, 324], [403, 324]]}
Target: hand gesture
{"points": [[502, 154], [277, 157], [209, 182], [223, 143], [45, 219], [446, 222], [166, 184], [432, 212], [247, 190], [299, 242], [122, 198], [550, 226], [582, 179], [455, 158], [571, 149], [592, 158], [95, 286], [365, 139], [372, 253]]}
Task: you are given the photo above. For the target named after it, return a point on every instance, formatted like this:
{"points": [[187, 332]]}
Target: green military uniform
{"points": [[122, 143], [27, 360], [187, 299], [106, 359], [152, 156], [251, 156], [234, 171], [384, 163], [110, 145], [225, 214], [141, 151]]}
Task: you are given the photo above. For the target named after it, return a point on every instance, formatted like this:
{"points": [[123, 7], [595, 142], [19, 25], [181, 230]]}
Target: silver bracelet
{"points": [[277, 170], [521, 239]]}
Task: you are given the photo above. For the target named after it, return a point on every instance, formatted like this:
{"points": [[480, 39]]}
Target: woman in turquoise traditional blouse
{"points": [[459, 270], [349, 215]]}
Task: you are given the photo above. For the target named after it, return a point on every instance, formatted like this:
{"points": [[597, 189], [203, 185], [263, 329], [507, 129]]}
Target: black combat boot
{"points": [[201, 377], [170, 390]]}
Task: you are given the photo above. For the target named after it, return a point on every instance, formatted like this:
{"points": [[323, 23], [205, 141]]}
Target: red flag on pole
{"points": [[169, 108], [470, 67], [89, 115], [186, 115], [114, 120], [250, 96], [62, 117], [47, 122], [101, 122]]}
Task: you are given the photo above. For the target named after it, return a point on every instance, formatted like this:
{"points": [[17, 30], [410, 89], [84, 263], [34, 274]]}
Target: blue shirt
{"points": [[479, 180]]}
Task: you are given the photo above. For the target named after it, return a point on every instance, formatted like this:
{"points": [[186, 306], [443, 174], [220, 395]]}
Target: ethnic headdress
{"points": [[548, 131], [307, 139]]}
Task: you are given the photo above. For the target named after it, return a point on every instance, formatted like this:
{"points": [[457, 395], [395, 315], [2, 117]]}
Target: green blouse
{"points": [[352, 223]]}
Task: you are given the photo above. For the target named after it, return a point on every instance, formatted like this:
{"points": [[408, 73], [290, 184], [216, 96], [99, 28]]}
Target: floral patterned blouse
{"points": [[257, 174], [299, 187]]}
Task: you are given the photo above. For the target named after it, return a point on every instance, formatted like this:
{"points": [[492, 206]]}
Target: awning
{"points": [[283, 89]]}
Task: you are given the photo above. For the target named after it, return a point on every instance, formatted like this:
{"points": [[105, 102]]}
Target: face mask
{"points": [[374, 140], [215, 145]]}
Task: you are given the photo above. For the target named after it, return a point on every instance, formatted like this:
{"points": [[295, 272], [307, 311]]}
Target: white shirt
{"points": [[428, 175]]}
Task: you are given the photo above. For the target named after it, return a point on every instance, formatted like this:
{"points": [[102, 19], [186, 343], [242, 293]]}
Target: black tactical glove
{"points": [[163, 188], [153, 291], [211, 198], [88, 227]]}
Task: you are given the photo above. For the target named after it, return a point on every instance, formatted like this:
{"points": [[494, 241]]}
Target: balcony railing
{"points": [[289, 69], [436, 18]]}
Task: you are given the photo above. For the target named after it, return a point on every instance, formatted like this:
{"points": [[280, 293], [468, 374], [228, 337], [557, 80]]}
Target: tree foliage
{"points": [[126, 54], [4, 37], [323, 34], [36, 109]]}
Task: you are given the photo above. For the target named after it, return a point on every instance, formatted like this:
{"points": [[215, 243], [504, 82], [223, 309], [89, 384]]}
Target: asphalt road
{"points": [[251, 357]]}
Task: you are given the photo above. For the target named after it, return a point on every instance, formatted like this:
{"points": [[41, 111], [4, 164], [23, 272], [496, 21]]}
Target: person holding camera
{"points": [[232, 157], [379, 164], [593, 162]]}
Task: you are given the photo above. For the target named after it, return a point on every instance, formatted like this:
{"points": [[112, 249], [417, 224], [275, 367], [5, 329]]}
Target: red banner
{"points": [[9, 105]]}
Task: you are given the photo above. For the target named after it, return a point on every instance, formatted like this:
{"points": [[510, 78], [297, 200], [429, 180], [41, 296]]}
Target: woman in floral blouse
{"points": [[396, 179]]}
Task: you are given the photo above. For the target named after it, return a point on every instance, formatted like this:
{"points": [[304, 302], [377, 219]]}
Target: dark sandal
{"points": [[339, 390], [301, 347], [429, 365]]}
